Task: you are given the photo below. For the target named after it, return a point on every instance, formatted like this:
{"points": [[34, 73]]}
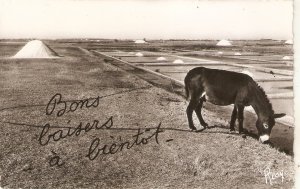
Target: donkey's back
{"points": [[219, 87]]}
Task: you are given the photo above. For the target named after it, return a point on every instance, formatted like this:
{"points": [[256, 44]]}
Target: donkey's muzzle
{"points": [[264, 139]]}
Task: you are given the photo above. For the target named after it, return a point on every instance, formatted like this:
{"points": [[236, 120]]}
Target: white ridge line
{"points": [[268, 61], [141, 68], [281, 95], [179, 64], [267, 70]]}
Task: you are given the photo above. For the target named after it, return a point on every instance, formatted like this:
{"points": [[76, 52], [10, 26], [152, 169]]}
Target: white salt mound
{"points": [[178, 61], [131, 53], [237, 54], [290, 42], [161, 58], [286, 58], [224, 43], [247, 73], [220, 52], [36, 49], [139, 54], [140, 41]]}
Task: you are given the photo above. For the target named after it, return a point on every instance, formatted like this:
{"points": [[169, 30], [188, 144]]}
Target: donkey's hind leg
{"points": [[189, 111], [233, 118], [198, 112], [241, 118]]}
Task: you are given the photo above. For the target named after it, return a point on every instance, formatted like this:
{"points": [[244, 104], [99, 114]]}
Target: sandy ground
{"points": [[169, 157]]}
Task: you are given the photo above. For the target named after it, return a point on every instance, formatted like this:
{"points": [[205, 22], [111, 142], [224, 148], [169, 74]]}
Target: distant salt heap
{"points": [[224, 43], [178, 61], [220, 52], [290, 42], [247, 73], [139, 54], [161, 58], [140, 41], [237, 54], [286, 58], [36, 49]]}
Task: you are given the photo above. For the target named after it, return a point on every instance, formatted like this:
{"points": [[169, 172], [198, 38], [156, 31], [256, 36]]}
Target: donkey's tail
{"points": [[187, 92], [186, 81]]}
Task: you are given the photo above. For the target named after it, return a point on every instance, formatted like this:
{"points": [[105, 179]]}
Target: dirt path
{"points": [[143, 142]]}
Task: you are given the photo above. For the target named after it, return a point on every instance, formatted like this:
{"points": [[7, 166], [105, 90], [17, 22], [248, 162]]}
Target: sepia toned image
{"points": [[147, 94]]}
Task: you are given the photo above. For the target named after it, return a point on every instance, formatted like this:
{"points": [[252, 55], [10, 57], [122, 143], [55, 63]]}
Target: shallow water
{"points": [[283, 106], [282, 90]]}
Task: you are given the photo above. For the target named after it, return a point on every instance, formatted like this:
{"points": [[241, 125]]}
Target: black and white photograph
{"points": [[138, 94]]}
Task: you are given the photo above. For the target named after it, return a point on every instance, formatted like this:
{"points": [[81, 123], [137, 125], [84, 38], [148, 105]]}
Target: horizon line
{"points": [[149, 39]]}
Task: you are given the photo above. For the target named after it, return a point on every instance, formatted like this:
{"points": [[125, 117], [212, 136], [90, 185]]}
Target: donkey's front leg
{"points": [[233, 118], [189, 112], [241, 118]]}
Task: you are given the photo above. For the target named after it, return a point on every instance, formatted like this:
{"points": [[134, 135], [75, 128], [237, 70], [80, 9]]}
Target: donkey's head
{"points": [[264, 126]]}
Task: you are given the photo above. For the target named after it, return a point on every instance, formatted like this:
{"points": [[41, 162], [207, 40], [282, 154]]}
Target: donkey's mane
{"points": [[264, 95]]}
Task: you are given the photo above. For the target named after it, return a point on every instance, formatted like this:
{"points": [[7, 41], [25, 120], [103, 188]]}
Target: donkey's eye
{"points": [[266, 126]]}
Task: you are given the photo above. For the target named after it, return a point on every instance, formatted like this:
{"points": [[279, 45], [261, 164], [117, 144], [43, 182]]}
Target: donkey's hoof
{"points": [[204, 125], [193, 128], [199, 130]]}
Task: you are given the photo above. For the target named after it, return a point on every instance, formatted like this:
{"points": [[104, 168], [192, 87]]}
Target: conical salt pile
{"points": [[237, 54], [286, 58], [224, 43], [247, 73], [161, 58], [139, 54], [178, 61], [36, 49], [290, 42], [140, 41]]}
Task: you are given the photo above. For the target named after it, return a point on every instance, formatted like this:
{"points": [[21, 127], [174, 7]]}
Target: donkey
{"points": [[223, 88]]}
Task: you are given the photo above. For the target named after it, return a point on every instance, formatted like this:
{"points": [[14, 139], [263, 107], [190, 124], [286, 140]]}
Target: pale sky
{"points": [[152, 19]]}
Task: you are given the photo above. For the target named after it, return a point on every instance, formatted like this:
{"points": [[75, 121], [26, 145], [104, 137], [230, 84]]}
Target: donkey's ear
{"points": [[278, 115]]}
